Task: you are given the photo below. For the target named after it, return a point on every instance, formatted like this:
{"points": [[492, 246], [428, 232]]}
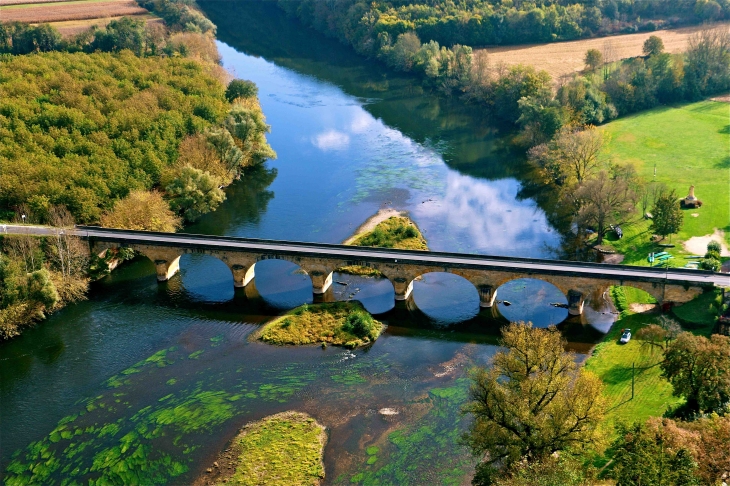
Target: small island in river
{"points": [[282, 449], [338, 323]]}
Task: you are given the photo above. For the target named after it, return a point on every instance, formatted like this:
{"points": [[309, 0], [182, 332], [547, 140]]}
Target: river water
{"points": [[145, 383]]}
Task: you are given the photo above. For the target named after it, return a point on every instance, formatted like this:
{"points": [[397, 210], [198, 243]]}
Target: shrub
{"points": [[241, 88], [362, 325], [714, 246]]}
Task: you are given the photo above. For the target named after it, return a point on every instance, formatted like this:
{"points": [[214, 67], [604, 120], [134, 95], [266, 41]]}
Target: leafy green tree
{"points": [[241, 88], [142, 211], [247, 124], [41, 288], [643, 457], [194, 193], [519, 82], [667, 216], [653, 46], [534, 401], [699, 370], [593, 59], [125, 33], [362, 325]]}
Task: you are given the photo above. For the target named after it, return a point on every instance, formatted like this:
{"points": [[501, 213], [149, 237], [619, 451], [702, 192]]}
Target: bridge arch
{"points": [[533, 299], [445, 297]]}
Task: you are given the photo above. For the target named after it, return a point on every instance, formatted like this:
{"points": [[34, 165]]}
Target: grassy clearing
{"points": [[283, 449], [338, 323], [689, 145], [612, 361]]}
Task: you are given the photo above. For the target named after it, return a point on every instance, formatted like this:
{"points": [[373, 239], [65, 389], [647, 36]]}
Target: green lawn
{"points": [[612, 361], [690, 145]]}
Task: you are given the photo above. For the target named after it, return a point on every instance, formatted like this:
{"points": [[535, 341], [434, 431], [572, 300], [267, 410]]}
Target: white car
{"points": [[625, 336]]}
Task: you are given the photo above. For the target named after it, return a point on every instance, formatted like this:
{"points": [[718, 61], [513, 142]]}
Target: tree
{"points": [[534, 401], [593, 59], [699, 370], [603, 201], [653, 336], [643, 458], [68, 252], [194, 193], [653, 46], [142, 210], [667, 216], [241, 88], [247, 124]]}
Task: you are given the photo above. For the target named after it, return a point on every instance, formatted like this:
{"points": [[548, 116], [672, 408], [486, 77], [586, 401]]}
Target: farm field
{"points": [[72, 27], [564, 58], [67, 11], [688, 144]]}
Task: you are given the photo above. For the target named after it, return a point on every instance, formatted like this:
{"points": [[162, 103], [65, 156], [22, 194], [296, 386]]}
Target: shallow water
{"points": [[163, 375]]}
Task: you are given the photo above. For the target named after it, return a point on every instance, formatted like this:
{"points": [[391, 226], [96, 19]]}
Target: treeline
{"points": [[369, 25]]}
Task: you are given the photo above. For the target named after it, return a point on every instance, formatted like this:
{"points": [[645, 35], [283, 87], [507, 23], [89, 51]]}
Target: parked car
{"points": [[625, 336]]}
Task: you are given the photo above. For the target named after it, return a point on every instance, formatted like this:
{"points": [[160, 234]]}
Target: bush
{"points": [[712, 264], [714, 246], [241, 88], [361, 324]]}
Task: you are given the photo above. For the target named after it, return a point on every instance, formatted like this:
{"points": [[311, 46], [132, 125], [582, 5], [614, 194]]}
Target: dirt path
{"points": [[372, 222], [563, 58], [697, 245]]}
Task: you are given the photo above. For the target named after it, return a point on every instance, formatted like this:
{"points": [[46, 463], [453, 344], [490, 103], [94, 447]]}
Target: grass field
{"points": [[65, 11], [612, 361], [563, 58], [689, 145], [395, 232]]}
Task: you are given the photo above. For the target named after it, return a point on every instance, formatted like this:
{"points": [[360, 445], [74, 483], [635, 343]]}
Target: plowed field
{"points": [[63, 11]]}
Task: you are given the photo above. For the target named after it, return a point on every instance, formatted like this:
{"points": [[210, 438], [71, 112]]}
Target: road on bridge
{"points": [[669, 275]]}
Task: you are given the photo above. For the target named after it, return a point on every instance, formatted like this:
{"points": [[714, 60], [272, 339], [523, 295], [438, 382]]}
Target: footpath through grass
{"points": [[689, 145]]}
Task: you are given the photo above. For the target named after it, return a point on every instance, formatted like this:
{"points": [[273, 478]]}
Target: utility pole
{"points": [[633, 373]]}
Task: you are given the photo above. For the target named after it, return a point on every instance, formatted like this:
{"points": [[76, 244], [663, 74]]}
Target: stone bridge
{"points": [[578, 281]]}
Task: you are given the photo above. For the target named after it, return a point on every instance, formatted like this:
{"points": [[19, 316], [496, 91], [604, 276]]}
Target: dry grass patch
{"points": [[564, 58], [338, 323], [69, 28], [59, 12], [27, 2]]}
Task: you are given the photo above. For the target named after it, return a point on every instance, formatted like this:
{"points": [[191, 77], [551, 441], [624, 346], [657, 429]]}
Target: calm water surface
{"points": [[144, 382]]}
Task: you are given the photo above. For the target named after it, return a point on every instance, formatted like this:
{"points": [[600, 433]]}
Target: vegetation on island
{"points": [[395, 232], [339, 323], [285, 449]]}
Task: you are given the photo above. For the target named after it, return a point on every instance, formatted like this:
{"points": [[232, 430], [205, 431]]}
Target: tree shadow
{"points": [[617, 374], [724, 163], [724, 130]]}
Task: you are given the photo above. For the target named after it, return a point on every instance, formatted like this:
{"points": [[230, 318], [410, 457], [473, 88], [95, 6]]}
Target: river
{"points": [[145, 383]]}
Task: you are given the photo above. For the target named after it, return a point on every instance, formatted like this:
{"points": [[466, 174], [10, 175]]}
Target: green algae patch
{"points": [[284, 449], [338, 323]]}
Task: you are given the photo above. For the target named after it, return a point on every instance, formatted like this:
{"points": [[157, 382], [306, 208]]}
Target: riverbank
{"points": [[338, 323], [372, 222], [285, 449]]}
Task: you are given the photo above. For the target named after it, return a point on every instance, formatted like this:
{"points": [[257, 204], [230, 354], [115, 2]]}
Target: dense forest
{"points": [[132, 125], [368, 25]]}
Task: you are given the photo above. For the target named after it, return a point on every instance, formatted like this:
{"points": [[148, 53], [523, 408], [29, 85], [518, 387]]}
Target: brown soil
{"points": [[74, 11], [724, 98], [26, 2], [564, 58], [643, 308]]}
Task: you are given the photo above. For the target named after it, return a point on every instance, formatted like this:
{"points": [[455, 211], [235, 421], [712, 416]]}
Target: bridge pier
{"points": [[167, 268], [487, 295], [321, 281], [242, 275], [576, 301], [403, 287]]}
